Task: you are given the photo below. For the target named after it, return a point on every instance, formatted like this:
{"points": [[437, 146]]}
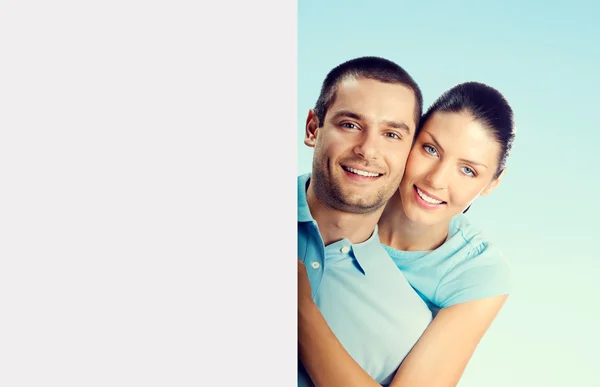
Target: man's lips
{"points": [[360, 171]]}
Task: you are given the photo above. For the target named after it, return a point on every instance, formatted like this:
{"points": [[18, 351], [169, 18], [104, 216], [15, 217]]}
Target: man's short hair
{"points": [[370, 67]]}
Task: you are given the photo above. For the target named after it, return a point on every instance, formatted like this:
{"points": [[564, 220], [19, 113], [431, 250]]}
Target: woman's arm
{"points": [[446, 345]]}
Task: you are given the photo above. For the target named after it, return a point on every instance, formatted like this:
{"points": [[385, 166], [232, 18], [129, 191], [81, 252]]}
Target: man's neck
{"points": [[335, 225]]}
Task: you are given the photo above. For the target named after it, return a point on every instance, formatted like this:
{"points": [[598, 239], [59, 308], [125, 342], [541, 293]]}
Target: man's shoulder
{"points": [[303, 178], [303, 210]]}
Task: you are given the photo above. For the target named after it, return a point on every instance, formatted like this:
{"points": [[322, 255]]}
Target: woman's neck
{"points": [[399, 232]]}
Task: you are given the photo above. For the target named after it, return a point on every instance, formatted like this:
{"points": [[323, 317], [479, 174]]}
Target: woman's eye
{"points": [[429, 149], [468, 171]]}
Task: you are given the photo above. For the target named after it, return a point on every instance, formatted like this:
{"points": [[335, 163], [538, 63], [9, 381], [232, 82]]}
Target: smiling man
{"points": [[361, 129]]}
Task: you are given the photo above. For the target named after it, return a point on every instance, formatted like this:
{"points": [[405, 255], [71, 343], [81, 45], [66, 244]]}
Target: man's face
{"points": [[362, 146]]}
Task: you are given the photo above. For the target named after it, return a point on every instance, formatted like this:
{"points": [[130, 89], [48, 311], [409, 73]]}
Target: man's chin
{"points": [[353, 199], [359, 205]]}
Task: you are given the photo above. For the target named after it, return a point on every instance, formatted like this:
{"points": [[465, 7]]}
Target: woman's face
{"points": [[454, 159]]}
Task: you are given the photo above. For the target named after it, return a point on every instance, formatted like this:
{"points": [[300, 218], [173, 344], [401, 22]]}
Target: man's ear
{"points": [[312, 127], [492, 186]]}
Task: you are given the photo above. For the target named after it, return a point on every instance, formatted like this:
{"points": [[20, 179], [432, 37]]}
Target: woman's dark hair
{"points": [[487, 105]]}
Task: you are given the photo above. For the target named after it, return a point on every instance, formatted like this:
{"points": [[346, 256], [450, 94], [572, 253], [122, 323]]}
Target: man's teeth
{"points": [[362, 173], [427, 198]]}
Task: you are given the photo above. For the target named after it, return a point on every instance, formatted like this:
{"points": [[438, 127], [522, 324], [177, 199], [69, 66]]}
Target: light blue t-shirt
{"points": [[466, 267], [367, 302]]}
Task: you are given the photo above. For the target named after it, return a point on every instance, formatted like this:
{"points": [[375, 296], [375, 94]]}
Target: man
{"points": [[361, 129]]}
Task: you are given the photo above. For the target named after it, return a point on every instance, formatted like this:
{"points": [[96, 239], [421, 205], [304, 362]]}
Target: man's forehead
{"points": [[389, 103], [363, 91], [350, 82]]}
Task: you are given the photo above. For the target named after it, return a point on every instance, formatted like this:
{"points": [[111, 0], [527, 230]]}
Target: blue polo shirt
{"points": [[367, 302], [466, 267]]}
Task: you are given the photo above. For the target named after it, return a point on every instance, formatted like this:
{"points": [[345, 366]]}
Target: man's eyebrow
{"points": [[397, 125], [347, 114]]}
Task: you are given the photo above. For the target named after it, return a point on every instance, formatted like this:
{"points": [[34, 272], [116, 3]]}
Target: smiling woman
{"points": [[459, 154]]}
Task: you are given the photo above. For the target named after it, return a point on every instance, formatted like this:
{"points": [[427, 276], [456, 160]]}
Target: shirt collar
{"points": [[304, 214], [366, 253], [369, 252]]}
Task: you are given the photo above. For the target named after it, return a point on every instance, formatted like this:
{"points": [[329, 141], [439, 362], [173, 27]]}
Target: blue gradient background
{"points": [[545, 59]]}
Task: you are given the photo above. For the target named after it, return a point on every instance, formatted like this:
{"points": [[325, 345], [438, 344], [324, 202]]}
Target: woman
{"points": [[459, 154]]}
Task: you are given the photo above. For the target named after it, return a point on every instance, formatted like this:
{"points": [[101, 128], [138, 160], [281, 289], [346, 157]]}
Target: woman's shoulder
{"points": [[476, 269], [473, 245], [464, 243], [461, 227], [464, 246], [466, 267]]}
